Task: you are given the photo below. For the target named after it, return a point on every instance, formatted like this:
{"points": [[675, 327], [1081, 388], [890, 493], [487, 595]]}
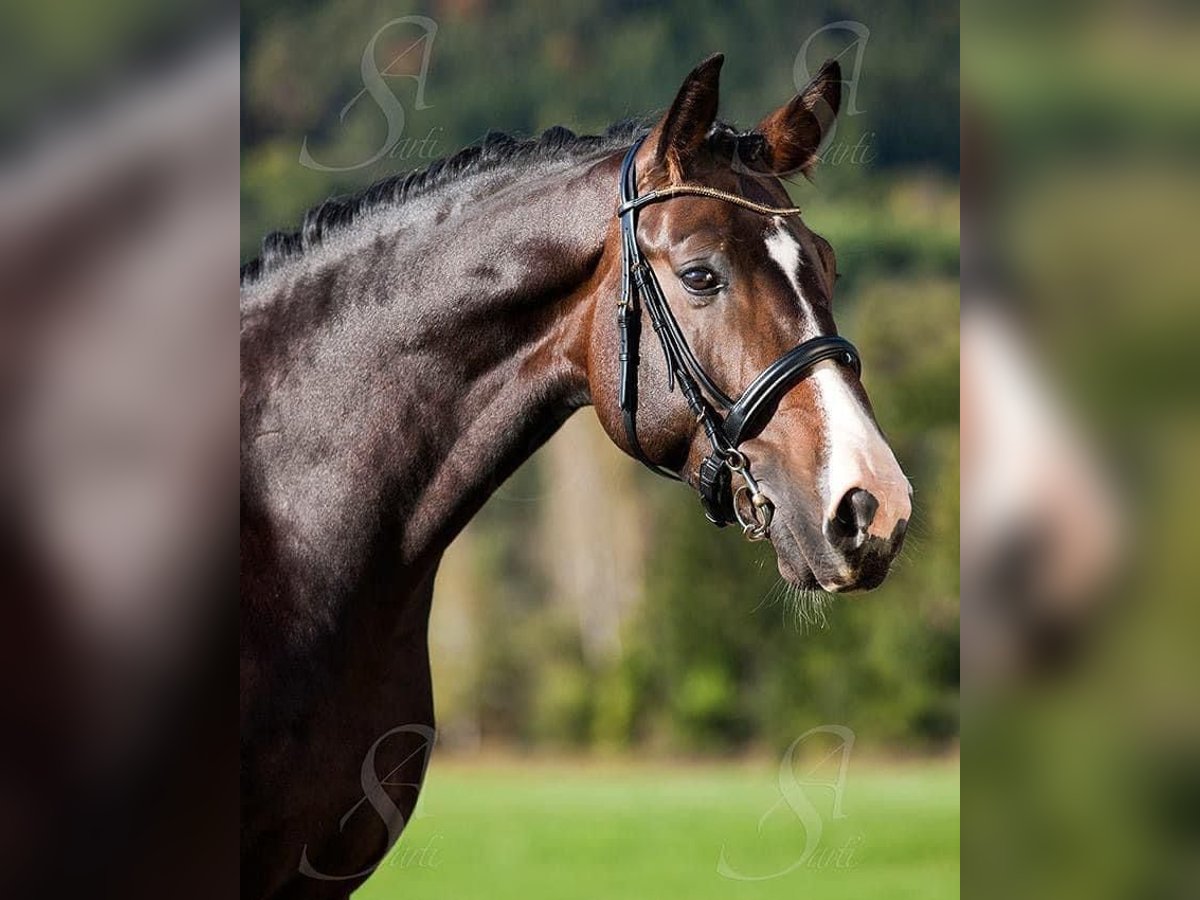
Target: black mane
{"points": [[496, 149]]}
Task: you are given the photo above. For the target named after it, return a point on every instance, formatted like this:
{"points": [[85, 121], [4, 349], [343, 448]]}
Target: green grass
{"points": [[592, 831]]}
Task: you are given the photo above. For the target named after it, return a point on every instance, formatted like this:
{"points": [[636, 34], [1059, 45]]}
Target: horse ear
{"points": [[794, 132], [681, 132]]}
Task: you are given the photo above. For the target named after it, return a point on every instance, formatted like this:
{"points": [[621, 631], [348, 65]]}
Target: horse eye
{"points": [[701, 280]]}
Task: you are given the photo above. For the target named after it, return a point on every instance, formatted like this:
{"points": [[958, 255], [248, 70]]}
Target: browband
{"points": [[700, 190]]}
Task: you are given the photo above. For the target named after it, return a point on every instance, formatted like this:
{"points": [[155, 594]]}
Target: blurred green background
{"points": [[1087, 784], [590, 611]]}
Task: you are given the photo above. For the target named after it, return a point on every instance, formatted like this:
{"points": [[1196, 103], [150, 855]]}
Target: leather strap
{"points": [[715, 485], [700, 190], [748, 415]]}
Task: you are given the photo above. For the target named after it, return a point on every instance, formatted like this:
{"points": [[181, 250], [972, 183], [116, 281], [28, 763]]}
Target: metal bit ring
{"points": [[756, 526]]}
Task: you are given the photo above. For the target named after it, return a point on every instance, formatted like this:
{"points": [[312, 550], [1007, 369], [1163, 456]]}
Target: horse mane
{"points": [[497, 149]]}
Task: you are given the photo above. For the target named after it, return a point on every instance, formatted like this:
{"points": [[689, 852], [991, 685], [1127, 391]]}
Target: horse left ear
{"points": [[681, 132], [794, 132]]}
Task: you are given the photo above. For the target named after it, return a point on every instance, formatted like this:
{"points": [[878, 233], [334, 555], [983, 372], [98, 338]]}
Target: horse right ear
{"points": [[681, 132], [794, 132]]}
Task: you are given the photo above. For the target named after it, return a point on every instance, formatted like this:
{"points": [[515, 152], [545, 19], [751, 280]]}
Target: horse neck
{"points": [[393, 387]]}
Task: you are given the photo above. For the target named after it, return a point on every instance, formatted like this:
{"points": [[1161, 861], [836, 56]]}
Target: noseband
{"points": [[739, 419]]}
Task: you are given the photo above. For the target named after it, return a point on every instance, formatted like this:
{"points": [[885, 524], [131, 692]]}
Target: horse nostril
{"points": [[853, 517], [858, 508]]}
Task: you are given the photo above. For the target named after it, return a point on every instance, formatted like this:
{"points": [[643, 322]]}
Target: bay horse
{"points": [[406, 351]]}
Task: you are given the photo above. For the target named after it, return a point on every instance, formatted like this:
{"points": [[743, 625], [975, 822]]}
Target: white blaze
{"points": [[786, 252], [856, 455]]}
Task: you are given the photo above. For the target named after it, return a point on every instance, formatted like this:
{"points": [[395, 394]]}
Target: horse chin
{"points": [[826, 573], [793, 560], [793, 567]]}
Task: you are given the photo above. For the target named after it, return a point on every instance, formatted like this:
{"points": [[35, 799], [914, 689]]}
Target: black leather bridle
{"points": [[742, 418]]}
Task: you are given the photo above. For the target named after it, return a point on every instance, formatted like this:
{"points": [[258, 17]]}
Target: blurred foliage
{"points": [[706, 654]]}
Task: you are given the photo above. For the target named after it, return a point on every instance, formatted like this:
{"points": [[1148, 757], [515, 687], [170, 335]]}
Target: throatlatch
{"points": [[743, 417]]}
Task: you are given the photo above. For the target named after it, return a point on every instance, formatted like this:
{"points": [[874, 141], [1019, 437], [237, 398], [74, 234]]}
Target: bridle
{"points": [[739, 419]]}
